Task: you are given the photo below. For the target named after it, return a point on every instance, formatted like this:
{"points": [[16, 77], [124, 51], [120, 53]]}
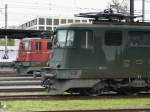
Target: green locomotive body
{"points": [[95, 58]]}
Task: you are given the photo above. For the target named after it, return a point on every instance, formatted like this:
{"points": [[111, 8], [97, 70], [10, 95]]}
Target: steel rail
{"points": [[22, 90], [103, 110], [65, 97], [2, 74]]}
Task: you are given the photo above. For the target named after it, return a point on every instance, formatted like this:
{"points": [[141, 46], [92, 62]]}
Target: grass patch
{"points": [[10, 42], [21, 106]]}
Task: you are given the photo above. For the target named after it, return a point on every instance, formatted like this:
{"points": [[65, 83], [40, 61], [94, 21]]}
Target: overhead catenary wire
{"points": [[48, 8]]}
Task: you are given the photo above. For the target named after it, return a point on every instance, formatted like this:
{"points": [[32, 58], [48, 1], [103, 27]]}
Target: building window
{"points": [[63, 21], [38, 46], [139, 39], [56, 21], [49, 28], [49, 21], [54, 28], [77, 21], [26, 25], [34, 22], [84, 21], [70, 20], [30, 24], [41, 28], [113, 38], [41, 21]]}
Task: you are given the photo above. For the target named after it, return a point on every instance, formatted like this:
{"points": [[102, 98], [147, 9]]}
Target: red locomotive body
{"points": [[33, 53]]}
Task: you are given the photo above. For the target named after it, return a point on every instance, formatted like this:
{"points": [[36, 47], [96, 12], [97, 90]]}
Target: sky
{"points": [[20, 11]]}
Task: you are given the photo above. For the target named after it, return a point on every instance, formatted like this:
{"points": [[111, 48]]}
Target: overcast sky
{"points": [[20, 11]]}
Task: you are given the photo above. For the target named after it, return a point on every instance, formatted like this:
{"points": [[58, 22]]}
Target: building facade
{"points": [[50, 23]]}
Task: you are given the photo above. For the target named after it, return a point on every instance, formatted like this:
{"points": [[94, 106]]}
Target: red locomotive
{"points": [[33, 54]]}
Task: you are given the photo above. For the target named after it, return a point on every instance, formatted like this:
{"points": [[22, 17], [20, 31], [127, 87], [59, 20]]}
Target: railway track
{"points": [[20, 87], [7, 70], [23, 87], [19, 83], [66, 97], [104, 110]]}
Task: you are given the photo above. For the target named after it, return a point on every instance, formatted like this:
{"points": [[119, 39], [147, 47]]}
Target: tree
{"points": [[119, 6]]}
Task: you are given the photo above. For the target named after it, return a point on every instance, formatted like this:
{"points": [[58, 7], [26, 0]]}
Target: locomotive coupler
{"points": [[48, 80]]}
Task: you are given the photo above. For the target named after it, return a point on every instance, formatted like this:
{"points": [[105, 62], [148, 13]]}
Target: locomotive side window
{"points": [[113, 38], [87, 39], [38, 46], [139, 39]]}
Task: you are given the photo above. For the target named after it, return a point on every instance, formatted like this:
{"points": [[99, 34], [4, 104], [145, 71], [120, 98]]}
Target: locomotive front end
{"points": [[71, 59], [33, 54]]}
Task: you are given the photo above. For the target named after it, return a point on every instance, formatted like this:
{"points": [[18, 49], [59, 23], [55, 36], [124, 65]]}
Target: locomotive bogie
{"points": [[90, 86]]}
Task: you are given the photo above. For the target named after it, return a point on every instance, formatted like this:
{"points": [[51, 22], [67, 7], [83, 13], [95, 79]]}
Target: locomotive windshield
{"points": [[65, 38], [25, 45]]}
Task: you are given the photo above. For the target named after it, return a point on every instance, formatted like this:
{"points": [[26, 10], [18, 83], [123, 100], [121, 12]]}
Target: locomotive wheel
{"points": [[46, 83], [96, 90], [129, 91]]}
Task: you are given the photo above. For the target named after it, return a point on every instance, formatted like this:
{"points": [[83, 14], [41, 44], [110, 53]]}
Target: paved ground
{"points": [[12, 53]]}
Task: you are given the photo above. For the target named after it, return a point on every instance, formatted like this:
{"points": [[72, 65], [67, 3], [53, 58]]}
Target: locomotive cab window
{"points": [[22, 45], [38, 46], [87, 39], [113, 38], [65, 38], [139, 39], [26, 45]]}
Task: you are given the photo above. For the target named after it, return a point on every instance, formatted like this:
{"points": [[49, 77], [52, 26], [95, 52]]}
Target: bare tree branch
{"points": [[119, 6]]}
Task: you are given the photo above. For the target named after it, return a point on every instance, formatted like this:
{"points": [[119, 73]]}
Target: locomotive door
{"points": [[86, 51], [36, 51], [41, 54]]}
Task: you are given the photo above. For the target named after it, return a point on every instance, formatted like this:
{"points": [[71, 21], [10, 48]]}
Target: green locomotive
{"points": [[106, 55]]}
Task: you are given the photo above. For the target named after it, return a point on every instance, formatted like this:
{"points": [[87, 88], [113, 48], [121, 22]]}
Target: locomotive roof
{"points": [[30, 38], [35, 38], [110, 18], [19, 34], [140, 25]]}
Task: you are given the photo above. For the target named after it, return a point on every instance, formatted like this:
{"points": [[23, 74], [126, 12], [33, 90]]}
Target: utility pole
{"points": [[132, 10], [5, 16], [143, 10], [6, 50]]}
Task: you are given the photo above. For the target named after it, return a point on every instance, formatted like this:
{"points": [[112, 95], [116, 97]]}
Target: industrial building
{"points": [[50, 23]]}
